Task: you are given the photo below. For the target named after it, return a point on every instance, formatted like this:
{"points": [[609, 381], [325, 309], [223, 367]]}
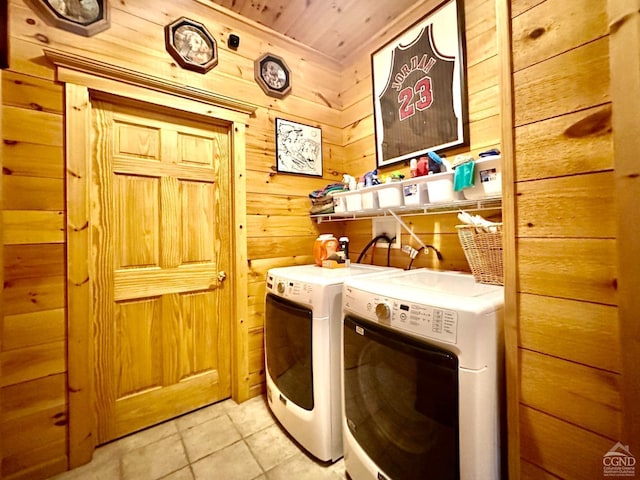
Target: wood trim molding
{"points": [[84, 79], [131, 77], [624, 37], [240, 331], [79, 325], [511, 320]]}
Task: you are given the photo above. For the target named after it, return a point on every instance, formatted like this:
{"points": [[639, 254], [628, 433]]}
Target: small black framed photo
{"points": [[83, 17], [273, 75], [298, 148], [191, 45]]}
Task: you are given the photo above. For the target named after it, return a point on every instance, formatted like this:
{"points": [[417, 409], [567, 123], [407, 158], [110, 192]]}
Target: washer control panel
{"points": [[417, 318], [301, 292]]}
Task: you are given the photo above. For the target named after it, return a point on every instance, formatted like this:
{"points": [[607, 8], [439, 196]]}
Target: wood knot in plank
{"points": [[597, 123], [61, 419], [41, 37], [30, 21], [80, 229], [324, 99], [536, 33]]}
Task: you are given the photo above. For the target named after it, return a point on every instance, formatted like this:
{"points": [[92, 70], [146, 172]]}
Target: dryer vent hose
{"points": [[373, 241]]}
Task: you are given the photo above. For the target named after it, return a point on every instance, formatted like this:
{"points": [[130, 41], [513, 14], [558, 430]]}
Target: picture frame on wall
{"points": [[273, 75], [419, 88], [191, 45], [83, 17], [298, 148]]}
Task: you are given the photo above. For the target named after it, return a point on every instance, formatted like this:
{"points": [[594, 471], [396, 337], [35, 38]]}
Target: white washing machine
{"points": [[303, 320], [422, 377]]}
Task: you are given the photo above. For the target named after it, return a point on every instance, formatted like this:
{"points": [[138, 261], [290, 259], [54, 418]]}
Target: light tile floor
{"points": [[225, 441]]}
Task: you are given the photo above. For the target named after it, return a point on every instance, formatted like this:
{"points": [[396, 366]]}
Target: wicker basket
{"points": [[484, 253]]}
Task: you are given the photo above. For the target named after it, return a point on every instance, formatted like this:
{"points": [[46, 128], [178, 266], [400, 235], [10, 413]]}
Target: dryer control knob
{"points": [[280, 287], [383, 312]]}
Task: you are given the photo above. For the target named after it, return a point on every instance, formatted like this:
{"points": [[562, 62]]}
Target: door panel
{"points": [[137, 229], [138, 361], [160, 235], [197, 221]]}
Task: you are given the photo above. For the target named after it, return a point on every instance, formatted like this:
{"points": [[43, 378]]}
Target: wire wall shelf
{"points": [[489, 203]]}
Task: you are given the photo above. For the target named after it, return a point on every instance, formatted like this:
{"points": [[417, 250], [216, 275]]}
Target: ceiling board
{"points": [[337, 28]]}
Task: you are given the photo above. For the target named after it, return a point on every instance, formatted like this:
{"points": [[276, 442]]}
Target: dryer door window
{"points": [[401, 402], [288, 349]]}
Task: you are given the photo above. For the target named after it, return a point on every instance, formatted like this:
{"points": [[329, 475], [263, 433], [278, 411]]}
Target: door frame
{"points": [[624, 37], [84, 78]]}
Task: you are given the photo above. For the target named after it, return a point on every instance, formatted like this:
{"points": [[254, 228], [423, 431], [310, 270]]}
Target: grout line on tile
{"points": [[186, 450], [254, 457]]}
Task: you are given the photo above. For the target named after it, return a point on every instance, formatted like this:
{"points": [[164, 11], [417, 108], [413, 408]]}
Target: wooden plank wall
{"points": [[484, 126], [280, 232], [569, 357]]}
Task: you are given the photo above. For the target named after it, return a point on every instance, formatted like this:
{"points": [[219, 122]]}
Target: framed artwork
{"points": [[273, 75], [298, 148], [84, 17], [191, 45], [420, 89]]}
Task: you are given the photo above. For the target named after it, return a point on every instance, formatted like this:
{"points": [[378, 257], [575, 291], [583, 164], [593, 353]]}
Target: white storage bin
{"points": [[353, 201], [487, 179], [340, 202], [369, 198], [389, 195], [440, 188], [414, 191]]}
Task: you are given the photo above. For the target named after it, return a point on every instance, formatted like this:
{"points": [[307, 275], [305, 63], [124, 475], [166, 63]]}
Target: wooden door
{"points": [[160, 236]]}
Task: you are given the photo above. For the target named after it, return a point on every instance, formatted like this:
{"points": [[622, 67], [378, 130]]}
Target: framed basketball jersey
{"points": [[420, 89]]}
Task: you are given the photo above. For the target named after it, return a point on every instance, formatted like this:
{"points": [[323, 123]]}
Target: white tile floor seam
{"points": [[224, 441]]}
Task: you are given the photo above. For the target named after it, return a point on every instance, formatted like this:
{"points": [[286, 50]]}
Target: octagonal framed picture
{"points": [[191, 45], [83, 17], [273, 75]]}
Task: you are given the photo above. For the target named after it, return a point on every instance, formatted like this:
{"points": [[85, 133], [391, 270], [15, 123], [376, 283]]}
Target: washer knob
{"points": [[383, 312], [280, 287]]}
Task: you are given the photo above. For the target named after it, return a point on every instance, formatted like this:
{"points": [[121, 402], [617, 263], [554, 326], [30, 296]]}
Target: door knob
{"points": [[222, 275]]}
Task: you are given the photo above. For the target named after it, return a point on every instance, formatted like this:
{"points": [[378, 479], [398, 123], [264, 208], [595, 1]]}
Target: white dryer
{"points": [[303, 320], [422, 369]]}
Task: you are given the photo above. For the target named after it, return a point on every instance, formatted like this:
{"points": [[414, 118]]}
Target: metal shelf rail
{"points": [[489, 203]]}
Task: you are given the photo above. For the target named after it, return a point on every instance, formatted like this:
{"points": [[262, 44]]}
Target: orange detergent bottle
{"points": [[324, 246]]}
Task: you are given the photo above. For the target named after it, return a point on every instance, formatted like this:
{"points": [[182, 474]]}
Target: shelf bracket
{"points": [[406, 227]]}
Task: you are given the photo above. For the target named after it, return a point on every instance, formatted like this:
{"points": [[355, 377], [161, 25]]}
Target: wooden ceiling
{"points": [[337, 28]]}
